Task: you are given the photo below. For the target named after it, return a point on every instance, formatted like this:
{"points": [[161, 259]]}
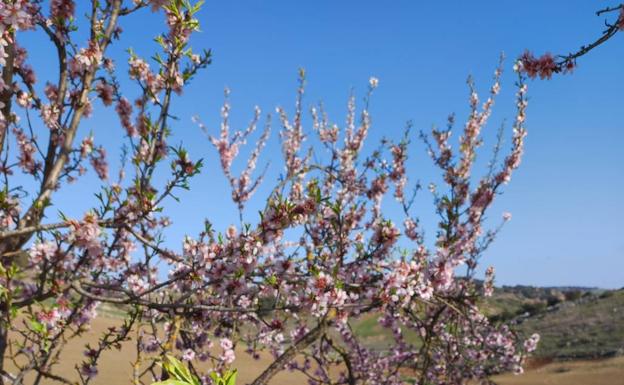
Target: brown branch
{"points": [[289, 354], [153, 246], [345, 357], [6, 95], [62, 90], [135, 299], [608, 34], [47, 227], [611, 30], [609, 9], [29, 230]]}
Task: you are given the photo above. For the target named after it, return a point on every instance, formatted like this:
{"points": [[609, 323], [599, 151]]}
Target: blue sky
{"points": [[565, 198]]}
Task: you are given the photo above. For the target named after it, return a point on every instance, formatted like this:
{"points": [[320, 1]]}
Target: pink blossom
{"points": [[227, 356], [99, 163], [139, 69], [531, 344], [136, 284], [124, 110], [15, 15], [231, 232], [86, 147], [88, 370], [51, 92], [86, 234], [50, 318], [85, 59], [105, 92], [226, 343], [42, 251], [23, 99], [157, 4], [62, 9], [188, 355], [27, 151], [544, 66]]}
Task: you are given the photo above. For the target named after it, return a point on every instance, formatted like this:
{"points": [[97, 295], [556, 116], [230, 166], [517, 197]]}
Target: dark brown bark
{"points": [[3, 344]]}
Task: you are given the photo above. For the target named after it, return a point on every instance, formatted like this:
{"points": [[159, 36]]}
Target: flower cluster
{"points": [[86, 58], [105, 92], [61, 10], [124, 110], [27, 160], [16, 15], [544, 66], [86, 235], [243, 186], [227, 355], [140, 70], [99, 163]]}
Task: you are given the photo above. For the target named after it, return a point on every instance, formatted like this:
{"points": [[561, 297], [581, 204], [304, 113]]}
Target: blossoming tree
{"points": [[289, 282]]}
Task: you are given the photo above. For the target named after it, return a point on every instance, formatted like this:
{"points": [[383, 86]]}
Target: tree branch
{"points": [[289, 354]]}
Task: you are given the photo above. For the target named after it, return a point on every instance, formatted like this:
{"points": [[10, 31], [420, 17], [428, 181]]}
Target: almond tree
{"points": [[289, 281]]}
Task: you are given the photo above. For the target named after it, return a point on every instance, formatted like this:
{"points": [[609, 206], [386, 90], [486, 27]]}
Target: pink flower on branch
{"points": [[62, 9]]}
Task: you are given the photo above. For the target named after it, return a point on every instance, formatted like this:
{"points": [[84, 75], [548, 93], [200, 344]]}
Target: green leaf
{"points": [[177, 369], [37, 326], [271, 280], [230, 378], [171, 382]]}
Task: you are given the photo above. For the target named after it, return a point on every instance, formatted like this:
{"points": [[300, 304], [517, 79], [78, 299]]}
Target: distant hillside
{"points": [[589, 327], [574, 322]]}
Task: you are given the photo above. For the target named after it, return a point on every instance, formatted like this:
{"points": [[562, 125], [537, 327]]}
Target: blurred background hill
{"points": [[573, 322]]}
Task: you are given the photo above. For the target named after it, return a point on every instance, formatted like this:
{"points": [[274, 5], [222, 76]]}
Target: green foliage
{"points": [[181, 375], [229, 378], [534, 308], [592, 327], [573, 295]]}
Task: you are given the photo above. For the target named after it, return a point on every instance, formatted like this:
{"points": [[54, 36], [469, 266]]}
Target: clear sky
{"points": [[566, 198]]}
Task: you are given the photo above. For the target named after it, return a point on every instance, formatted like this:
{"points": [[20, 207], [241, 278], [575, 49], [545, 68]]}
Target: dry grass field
{"points": [[116, 365], [596, 372], [115, 368]]}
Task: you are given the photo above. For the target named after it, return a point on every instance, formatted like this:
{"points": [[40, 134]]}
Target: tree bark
{"points": [[6, 95]]}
